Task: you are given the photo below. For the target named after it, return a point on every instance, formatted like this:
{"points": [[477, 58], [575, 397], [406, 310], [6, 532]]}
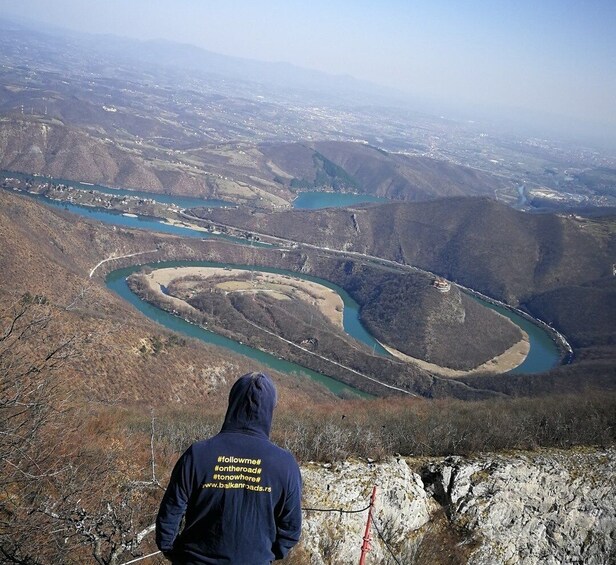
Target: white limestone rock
{"points": [[545, 507], [402, 507]]}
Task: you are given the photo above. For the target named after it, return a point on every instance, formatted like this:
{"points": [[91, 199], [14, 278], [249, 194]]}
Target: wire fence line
{"points": [[336, 510], [141, 558], [306, 509], [391, 551]]}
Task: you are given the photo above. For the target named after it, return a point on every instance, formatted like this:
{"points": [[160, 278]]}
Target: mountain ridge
{"points": [[487, 246]]}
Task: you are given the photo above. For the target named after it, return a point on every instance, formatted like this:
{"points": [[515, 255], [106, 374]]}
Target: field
{"points": [[189, 280]]}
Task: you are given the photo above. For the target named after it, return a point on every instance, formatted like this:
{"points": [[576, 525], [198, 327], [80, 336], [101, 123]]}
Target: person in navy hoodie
{"points": [[238, 493]]}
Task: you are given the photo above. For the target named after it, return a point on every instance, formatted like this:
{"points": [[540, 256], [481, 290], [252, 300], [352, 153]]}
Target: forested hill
{"points": [[559, 267], [476, 241], [366, 169]]}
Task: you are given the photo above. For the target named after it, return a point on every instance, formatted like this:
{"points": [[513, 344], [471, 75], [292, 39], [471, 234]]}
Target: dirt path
{"points": [[113, 257]]}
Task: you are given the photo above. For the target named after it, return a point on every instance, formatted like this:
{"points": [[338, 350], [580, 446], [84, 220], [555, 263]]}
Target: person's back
{"points": [[240, 494]]}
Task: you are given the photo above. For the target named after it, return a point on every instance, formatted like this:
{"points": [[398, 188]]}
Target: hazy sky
{"points": [[556, 56]]}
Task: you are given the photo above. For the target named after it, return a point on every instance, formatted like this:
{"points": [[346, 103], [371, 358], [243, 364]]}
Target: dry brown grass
{"points": [[445, 427], [334, 431]]}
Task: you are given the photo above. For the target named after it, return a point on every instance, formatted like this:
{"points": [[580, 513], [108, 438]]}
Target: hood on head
{"points": [[251, 405]]}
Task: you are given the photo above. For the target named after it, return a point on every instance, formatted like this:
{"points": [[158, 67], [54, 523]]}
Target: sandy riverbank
{"points": [[181, 224], [506, 361]]}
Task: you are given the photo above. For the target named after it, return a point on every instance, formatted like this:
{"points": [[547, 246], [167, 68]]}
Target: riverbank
{"points": [[179, 223], [503, 363]]}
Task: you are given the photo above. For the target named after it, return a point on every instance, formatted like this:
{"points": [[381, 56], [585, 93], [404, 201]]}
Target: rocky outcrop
{"points": [[547, 507], [403, 507]]}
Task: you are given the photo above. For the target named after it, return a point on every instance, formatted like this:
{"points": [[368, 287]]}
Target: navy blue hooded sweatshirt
{"points": [[239, 493]]}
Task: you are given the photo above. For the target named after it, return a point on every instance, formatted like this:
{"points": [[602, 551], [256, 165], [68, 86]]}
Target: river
{"points": [[116, 281], [181, 201], [543, 354], [313, 200], [139, 222]]}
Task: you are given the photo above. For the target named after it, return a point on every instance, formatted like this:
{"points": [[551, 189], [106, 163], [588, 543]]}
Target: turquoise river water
{"points": [[543, 354]]}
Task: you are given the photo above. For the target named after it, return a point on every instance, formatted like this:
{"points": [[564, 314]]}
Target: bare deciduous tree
{"points": [[60, 499], [32, 356]]}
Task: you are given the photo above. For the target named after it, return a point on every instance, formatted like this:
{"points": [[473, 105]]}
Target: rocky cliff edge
{"points": [[548, 507]]}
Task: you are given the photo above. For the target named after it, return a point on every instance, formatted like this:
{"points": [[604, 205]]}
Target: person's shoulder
{"points": [[202, 444], [197, 448], [284, 455]]}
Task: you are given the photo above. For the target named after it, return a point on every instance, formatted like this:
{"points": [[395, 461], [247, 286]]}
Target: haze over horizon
{"points": [[553, 60]]}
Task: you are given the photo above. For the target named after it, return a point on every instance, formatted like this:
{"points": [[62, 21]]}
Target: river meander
{"points": [[116, 281], [543, 354]]}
